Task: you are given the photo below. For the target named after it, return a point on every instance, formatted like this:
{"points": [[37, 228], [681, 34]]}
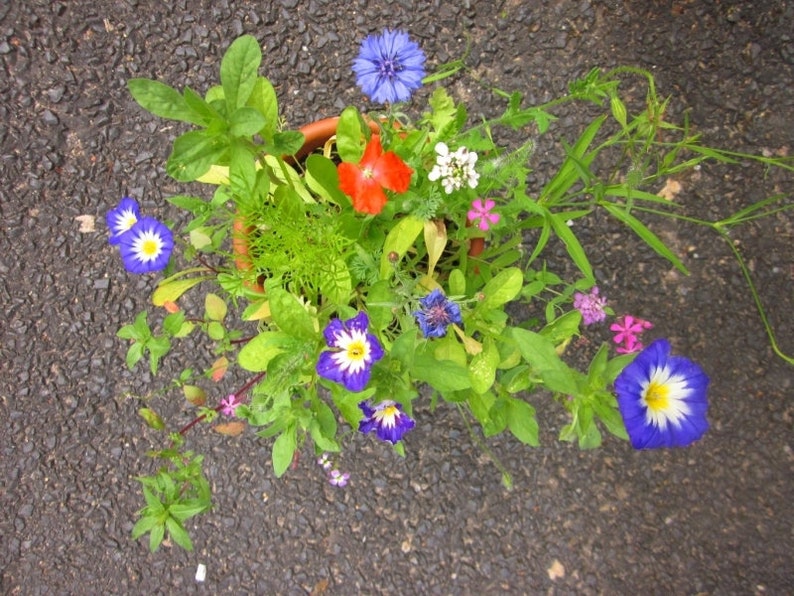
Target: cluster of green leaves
{"points": [[176, 493]]}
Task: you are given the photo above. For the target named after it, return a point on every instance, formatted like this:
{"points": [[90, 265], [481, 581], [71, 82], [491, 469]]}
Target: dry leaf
{"points": [[219, 368], [556, 571], [230, 429], [670, 190], [320, 587], [86, 223]]}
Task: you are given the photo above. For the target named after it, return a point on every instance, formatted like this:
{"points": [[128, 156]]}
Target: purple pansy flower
{"points": [[146, 246], [387, 419], [353, 352]]}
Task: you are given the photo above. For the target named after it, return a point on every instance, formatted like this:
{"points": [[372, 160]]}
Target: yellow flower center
{"points": [[356, 350], [149, 247], [657, 396]]}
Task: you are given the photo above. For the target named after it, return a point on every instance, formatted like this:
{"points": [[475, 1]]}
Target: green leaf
{"points": [[263, 99], [400, 239], [539, 353], [444, 112], [257, 353], [501, 289], [322, 178], [215, 307], [284, 450], [348, 135], [170, 291], [156, 537], [246, 122], [151, 418], [645, 234], [457, 283], [239, 68], [162, 100], [290, 315], [335, 281], [558, 221], [482, 369], [143, 525], [570, 170], [443, 375], [288, 142], [178, 533], [134, 354], [193, 153], [522, 422]]}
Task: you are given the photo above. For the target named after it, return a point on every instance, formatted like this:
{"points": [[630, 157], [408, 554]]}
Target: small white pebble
{"points": [[201, 572]]}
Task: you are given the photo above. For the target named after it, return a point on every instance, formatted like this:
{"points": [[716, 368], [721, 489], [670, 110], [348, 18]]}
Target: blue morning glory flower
{"points": [[122, 218], [436, 314], [662, 398], [146, 246], [353, 352], [389, 67], [387, 419]]}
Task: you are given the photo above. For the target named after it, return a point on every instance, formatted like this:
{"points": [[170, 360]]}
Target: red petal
{"points": [[350, 178], [371, 153], [392, 172], [370, 197]]}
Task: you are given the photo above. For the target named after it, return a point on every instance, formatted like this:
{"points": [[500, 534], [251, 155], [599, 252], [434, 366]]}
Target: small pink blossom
{"points": [[481, 212], [626, 330], [337, 478], [229, 405], [324, 462]]}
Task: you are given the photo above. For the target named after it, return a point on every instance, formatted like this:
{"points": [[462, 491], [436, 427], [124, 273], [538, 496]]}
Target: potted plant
{"points": [[349, 268]]}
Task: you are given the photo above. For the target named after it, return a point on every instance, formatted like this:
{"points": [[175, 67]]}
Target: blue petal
{"points": [[328, 369], [358, 323], [332, 332]]}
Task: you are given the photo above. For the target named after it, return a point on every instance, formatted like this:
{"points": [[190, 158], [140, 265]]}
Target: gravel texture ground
{"points": [[712, 519]]}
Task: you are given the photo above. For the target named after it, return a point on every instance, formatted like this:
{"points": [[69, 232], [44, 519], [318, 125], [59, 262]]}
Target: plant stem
{"points": [[217, 408]]}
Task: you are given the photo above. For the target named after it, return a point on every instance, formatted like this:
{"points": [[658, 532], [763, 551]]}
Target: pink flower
{"points": [[626, 330], [337, 478], [481, 212], [590, 305], [229, 405]]}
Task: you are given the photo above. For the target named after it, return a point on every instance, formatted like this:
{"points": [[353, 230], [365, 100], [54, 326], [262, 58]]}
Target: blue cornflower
{"points": [[122, 218], [389, 67], [146, 246], [353, 352], [662, 398], [436, 314], [387, 419]]}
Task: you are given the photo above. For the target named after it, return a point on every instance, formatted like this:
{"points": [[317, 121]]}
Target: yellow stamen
{"points": [[657, 396], [149, 247]]}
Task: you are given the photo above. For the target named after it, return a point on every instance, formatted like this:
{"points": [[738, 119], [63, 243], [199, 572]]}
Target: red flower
{"points": [[364, 182]]}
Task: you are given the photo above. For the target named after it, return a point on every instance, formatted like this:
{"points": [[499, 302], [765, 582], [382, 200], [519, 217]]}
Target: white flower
{"points": [[454, 169]]}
